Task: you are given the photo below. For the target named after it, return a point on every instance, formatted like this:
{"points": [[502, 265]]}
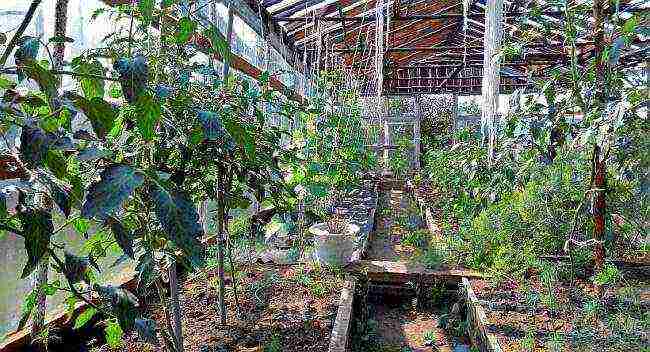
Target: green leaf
{"points": [[114, 334], [148, 112], [185, 29], [81, 225], [91, 87], [219, 43], [241, 136], [84, 317], [123, 236], [6, 83], [100, 113], [26, 309], [37, 230], [178, 217], [146, 10], [116, 184], [630, 25], [45, 79]]}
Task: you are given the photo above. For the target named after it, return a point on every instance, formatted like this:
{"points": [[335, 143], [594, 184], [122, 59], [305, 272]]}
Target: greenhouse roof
{"points": [[428, 48]]}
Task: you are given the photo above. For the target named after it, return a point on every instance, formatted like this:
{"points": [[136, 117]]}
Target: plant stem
{"points": [[220, 216], [176, 306], [19, 32]]}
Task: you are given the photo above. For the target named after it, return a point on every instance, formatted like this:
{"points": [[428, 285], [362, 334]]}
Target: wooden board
{"points": [[339, 341], [479, 333], [402, 272]]}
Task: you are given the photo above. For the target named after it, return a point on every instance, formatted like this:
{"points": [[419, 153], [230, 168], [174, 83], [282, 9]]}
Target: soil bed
{"points": [[551, 315], [398, 323], [397, 221], [283, 308]]}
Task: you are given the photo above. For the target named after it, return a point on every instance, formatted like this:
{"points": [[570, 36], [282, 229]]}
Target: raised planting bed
{"points": [[424, 195], [400, 233], [282, 308], [478, 327], [547, 312]]}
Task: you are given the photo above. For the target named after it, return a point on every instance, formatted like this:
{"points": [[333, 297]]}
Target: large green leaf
{"points": [[92, 87], [123, 236], [148, 112], [37, 231], [100, 113], [84, 317], [105, 196], [45, 79], [178, 217], [242, 136], [185, 28]]}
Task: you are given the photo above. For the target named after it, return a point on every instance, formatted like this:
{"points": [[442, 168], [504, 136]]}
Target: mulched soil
{"points": [[536, 318], [283, 307]]}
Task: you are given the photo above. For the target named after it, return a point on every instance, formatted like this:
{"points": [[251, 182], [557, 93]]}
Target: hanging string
{"points": [[466, 5]]}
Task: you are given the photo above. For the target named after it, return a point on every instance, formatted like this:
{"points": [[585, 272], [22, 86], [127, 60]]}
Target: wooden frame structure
{"points": [[432, 47]]}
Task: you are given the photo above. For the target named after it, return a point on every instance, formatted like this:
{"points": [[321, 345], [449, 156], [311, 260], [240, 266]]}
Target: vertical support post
{"points": [[491, 68], [226, 63], [599, 166], [454, 113], [416, 135]]}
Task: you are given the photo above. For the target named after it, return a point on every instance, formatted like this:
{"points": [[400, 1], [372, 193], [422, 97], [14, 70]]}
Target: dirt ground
{"points": [[402, 326], [283, 308], [563, 317]]}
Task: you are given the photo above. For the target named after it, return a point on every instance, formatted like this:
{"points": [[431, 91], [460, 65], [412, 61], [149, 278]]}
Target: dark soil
{"points": [[283, 308], [559, 316]]}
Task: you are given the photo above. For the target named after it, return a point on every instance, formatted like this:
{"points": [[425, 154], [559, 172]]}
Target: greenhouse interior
{"points": [[324, 175]]}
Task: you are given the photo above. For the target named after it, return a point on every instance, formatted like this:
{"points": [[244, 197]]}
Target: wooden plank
{"points": [[339, 341], [401, 272], [479, 333]]}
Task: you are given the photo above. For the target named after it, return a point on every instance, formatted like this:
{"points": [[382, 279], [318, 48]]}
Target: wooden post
{"points": [[491, 68], [599, 167], [416, 135], [226, 62]]}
